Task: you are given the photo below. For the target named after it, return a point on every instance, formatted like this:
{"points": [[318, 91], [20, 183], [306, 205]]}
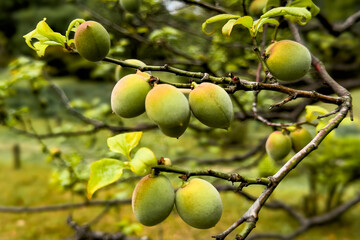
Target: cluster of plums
{"points": [[168, 107], [197, 202], [279, 143], [286, 60]]}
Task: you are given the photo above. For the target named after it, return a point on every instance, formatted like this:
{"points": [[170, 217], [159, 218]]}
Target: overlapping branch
{"points": [[233, 177], [239, 84], [337, 29], [307, 223], [205, 5], [251, 216], [259, 148], [60, 207]]}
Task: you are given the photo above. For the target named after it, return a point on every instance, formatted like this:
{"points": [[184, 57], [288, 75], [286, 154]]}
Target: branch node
{"points": [[206, 77], [242, 185], [272, 180], [165, 67], [235, 177], [184, 177]]}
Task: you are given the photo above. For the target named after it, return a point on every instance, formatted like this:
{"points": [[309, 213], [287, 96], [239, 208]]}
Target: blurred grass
{"points": [[30, 186]]}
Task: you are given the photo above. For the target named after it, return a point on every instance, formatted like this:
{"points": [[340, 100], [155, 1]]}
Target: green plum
{"points": [[288, 60], [128, 96], [199, 204], [121, 72], [211, 105], [92, 41], [256, 7], [300, 138], [153, 199], [169, 109], [278, 145], [132, 6], [143, 161]]}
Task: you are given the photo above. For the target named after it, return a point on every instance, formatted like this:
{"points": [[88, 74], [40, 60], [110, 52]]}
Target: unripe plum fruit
{"points": [[153, 199], [211, 105], [169, 109], [128, 96], [131, 6], [278, 145], [256, 7], [288, 60], [143, 161], [199, 204], [92, 41], [121, 72], [300, 138]]}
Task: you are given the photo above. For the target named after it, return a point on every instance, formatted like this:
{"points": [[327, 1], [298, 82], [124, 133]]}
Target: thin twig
{"points": [[242, 84], [61, 207], [259, 148], [337, 29], [233, 177], [205, 6], [251, 216]]}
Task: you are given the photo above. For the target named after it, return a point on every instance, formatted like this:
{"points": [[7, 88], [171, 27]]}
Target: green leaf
{"points": [[72, 27], [45, 36], [217, 18], [312, 112], [124, 143], [167, 33], [72, 160], [258, 25], [246, 21], [273, 3], [302, 15], [308, 4], [321, 125], [102, 173], [143, 161]]}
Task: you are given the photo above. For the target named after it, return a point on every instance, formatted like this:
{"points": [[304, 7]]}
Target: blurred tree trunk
{"points": [[16, 156]]}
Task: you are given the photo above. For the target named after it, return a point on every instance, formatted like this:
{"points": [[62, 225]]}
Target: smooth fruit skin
{"points": [[211, 105], [288, 60], [256, 7], [121, 72], [128, 96], [153, 199], [169, 109], [92, 41], [278, 145], [131, 6], [300, 138], [143, 161], [199, 204]]}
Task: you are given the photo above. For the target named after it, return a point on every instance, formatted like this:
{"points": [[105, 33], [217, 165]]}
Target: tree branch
{"points": [[205, 6], [233, 177], [240, 85], [84, 232], [337, 29], [307, 223], [259, 148], [251, 215], [60, 207]]}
